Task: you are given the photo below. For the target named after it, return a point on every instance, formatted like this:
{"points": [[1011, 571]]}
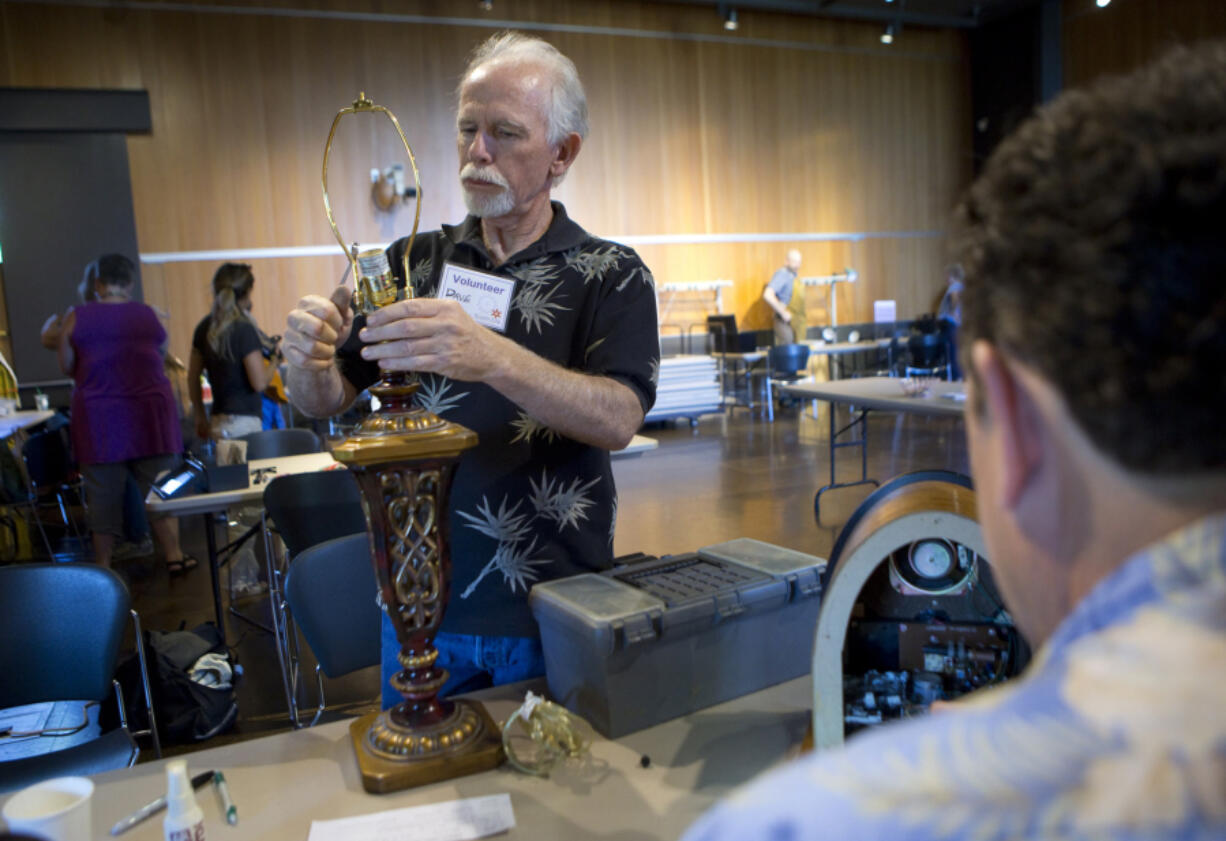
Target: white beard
{"points": [[486, 206]]}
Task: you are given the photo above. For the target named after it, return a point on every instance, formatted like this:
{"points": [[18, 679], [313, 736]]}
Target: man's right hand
{"points": [[316, 328]]}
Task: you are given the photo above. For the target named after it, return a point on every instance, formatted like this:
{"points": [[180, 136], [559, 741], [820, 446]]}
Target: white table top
{"points": [[885, 393], [834, 348], [22, 419], [204, 503], [747, 356], [638, 445], [288, 465], [281, 783]]}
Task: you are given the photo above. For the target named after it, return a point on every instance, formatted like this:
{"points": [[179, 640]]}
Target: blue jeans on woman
{"points": [[473, 662]]}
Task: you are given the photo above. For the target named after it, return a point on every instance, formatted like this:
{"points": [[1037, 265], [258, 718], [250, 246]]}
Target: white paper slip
{"points": [[485, 297], [456, 820], [956, 396]]}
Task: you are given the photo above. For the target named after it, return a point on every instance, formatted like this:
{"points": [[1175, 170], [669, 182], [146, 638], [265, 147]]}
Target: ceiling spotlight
{"points": [[486, 5], [887, 37], [730, 20], [1102, 4]]}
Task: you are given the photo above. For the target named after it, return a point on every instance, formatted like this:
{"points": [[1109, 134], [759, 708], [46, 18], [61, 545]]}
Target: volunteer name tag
{"points": [[485, 297]]}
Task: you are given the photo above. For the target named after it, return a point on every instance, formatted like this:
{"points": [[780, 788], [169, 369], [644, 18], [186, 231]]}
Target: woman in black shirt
{"points": [[227, 344]]}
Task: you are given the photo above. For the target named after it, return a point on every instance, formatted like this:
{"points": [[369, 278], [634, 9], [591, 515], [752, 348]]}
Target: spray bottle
{"points": [[184, 820]]}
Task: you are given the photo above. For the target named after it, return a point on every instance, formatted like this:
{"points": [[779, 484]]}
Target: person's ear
{"points": [[1016, 420], [564, 154]]}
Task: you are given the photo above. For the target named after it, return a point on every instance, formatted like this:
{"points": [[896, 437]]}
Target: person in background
{"points": [[788, 302], [567, 379], [124, 419], [136, 541], [949, 314], [227, 344], [1093, 334]]}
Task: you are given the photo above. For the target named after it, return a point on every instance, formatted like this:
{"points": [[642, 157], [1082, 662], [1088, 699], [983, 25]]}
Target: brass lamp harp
{"points": [[403, 458], [373, 284]]}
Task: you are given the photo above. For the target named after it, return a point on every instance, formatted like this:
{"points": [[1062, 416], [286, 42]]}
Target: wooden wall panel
{"points": [[1129, 33], [821, 130]]}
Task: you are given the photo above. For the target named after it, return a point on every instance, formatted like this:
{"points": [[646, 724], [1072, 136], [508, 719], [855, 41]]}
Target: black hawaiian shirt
{"points": [[529, 504]]}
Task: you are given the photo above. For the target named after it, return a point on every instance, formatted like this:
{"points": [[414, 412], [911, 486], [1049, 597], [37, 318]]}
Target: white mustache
{"points": [[487, 174]]}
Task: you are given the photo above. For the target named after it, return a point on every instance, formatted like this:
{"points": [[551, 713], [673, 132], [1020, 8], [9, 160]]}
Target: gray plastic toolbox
{"points": [[643, 643]]}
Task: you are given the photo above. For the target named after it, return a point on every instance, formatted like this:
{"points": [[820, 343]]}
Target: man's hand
{"points": [[786, 315], [438, 336], [315, 329]]}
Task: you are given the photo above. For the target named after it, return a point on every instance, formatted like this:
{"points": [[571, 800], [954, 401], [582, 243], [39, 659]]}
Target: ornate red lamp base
{"points": [[466, 742], [403, 458]]}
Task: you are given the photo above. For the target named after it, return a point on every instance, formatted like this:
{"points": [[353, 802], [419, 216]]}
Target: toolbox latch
{"points": [[636, 629], [728, 605], [805, 585]]}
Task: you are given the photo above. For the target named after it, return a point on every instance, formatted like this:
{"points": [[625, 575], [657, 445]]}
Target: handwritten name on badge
{"points": [[485, 297]]}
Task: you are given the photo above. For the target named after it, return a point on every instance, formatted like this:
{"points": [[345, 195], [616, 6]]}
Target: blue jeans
{"points": [[474, 662]]}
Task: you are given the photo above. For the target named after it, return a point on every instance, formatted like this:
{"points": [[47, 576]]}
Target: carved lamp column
{"points": [[403, 458]]}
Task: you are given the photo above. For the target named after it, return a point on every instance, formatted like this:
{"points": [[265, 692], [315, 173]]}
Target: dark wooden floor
{"points": [[729, 476]]}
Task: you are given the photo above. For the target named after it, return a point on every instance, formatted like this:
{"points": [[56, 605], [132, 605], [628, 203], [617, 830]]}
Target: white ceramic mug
{"points": [[58, 810]]}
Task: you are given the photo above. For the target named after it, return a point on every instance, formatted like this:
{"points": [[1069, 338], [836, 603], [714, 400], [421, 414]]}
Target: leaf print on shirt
{"points": [[539, 272], [433, 395], [511, 557], [527, 427], [641, 273], [655, 372], [974, 779], [593, 263], [566, 506], [419, 275], [536, 310], [513, 562], [587, 352]]}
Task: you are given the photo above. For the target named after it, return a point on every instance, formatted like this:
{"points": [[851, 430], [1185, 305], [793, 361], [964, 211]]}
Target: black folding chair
{"points": [[306, 509], [785, 364], [62, 625]]}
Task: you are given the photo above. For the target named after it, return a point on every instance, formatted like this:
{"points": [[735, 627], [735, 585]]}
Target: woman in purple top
{"points": [[124, 418]]}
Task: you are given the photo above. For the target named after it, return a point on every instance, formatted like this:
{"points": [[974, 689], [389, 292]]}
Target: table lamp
{"points": [[403, 458]]}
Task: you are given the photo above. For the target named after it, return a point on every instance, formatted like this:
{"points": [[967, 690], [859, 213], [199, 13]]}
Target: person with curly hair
{"points": [[1093, 334]]}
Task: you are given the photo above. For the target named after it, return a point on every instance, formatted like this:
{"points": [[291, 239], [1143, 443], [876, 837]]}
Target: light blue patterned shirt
{"points": [[1117, 732]]}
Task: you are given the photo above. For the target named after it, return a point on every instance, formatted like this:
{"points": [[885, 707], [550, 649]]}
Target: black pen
{"points": [[156, 806]]}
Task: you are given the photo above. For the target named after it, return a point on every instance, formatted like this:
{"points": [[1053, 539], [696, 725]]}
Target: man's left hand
{"points": [[428, 334]]}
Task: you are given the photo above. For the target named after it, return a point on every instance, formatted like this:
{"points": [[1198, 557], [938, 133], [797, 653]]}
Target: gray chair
{"points": [[273, 443], [305, 509], [61, 626], [331, 591]]}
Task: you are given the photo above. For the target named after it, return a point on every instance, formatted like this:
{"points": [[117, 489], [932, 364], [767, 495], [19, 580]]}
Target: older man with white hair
{"points": [[562, 375]]}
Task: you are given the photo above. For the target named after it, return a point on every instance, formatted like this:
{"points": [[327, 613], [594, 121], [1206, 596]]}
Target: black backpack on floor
{"points": [[186, 711]]}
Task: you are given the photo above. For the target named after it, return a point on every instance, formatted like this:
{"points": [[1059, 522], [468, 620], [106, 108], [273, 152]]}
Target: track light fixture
{"points": [[891, 30], [486, 5], [730, 20], [1102, 4]]}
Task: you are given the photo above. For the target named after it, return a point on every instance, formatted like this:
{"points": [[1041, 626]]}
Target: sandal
{"points": [[184, 564]]}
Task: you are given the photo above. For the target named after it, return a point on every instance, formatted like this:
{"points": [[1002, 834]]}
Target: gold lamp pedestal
{"points": [[403, 458]]}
